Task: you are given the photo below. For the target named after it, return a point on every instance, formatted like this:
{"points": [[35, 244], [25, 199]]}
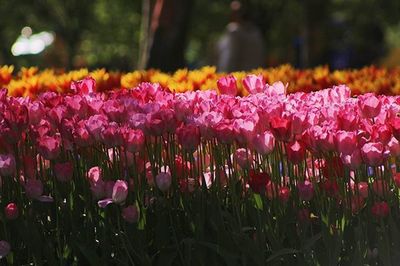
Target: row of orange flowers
{"points": [[31, 81]]}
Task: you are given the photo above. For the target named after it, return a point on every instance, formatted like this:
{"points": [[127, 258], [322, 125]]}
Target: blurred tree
{"points": [[97, 33]]}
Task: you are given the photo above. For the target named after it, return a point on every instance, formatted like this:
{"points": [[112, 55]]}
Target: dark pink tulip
{"points": [[108, 188], [49, 147], [348, 119], [346, 142], [64, 171], [227, 85], [98, 189], [33, 188], [243, 158], [295, 152], [111, 136], [5, 248], [163, 181], [284, 194], [372, 153], [306, 190], [225, 133], [188, 137], [254, 83], [362, 188], [11, 211], [264, 143], [36, 112], [381, 133], [395, 124], [304, 216], [114, 110], [81, 136], [133, 140], [30, 166], [380, 209], [7, 165], [370, 105], [130, 214], [281, 128]]}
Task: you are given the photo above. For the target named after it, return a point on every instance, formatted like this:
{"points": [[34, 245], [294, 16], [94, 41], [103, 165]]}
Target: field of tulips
{"points": [[31, 81], [145, 176]]}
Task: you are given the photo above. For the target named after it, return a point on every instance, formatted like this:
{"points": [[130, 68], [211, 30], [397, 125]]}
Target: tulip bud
{"points": [[380, 209], [63, 171], [130, 214], [7, 164], [306, 190], [4, 248], [11, 211], [163, 181], [120, 191]]}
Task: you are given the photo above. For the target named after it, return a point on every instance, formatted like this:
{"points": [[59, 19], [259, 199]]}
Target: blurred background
{"points": [[171, 34]]}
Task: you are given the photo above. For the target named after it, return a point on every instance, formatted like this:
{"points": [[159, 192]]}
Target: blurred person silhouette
{"points": [[241, 47]]}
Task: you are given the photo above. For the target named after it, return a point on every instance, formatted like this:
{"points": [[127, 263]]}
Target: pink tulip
{"points": [[11, 211], [130, 214], [120, 191], [264, 143], [254, 83], [370, 105], [352, 161], [346, 142], [189, 137], [372, 153], [95, 174], [64, 171], [394, 147], [227, 85], [7, 165], [84, 86], [49, 147]]}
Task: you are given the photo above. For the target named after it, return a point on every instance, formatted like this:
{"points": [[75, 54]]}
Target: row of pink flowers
{"points": [[277, 144]]}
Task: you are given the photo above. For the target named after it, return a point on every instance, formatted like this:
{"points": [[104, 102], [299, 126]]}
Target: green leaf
{"points": [[88, 253], [282, 252], [258, 201], [311, 242]]}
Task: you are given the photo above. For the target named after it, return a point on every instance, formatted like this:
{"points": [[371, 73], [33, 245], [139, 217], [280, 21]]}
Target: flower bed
{"points": [[148, 177], [31, 81]]}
